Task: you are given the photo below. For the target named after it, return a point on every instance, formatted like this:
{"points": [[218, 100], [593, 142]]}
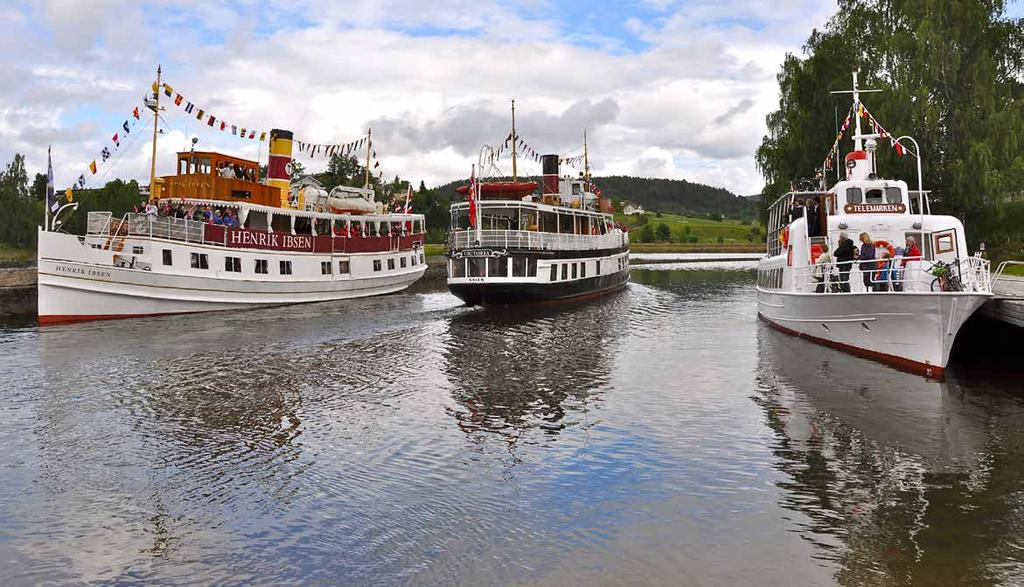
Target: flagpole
{"points": [[514, 139], [369, 143], [156, 118], [49, 189]]}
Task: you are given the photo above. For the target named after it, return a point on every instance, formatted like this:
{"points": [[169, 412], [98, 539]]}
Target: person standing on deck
{"points": [[813, 220], [845, 253], [867, 260]]}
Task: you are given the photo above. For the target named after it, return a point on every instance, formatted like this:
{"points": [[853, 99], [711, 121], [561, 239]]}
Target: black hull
{"points": [[507, 294]]}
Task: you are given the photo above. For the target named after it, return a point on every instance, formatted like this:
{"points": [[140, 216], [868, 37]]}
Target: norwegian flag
{"points": [[472, 198]]}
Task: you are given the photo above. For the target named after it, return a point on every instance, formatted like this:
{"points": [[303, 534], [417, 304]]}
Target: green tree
{"points": [[38, 189], [951, 70], [647, 234], [663, 233]]}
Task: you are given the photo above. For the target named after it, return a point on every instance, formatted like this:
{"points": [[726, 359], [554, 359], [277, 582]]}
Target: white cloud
{"points": [[433, 79]]}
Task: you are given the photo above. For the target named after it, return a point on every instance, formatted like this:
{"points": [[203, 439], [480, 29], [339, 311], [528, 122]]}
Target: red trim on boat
{"points": [[55, 319], [901, 363], [502, 188]]}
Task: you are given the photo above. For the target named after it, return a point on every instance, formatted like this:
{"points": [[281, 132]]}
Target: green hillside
{"points": [[646, 228], [663, 195]]}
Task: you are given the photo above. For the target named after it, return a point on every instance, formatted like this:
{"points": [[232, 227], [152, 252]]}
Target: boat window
{"points": [[412, 260], [576, 189], [854, 196], [574, 270], [565, 271], [377, 265], [343, 268], [893, 195], [233, 264], [458, 268], [391, 264], [499, 218], [597, 267], [497, 267], [403, 262], [261, 266], [460, 219], [531, 267], [565, 223], [285, 267], [201, 165], [256, 220], [325, 267], [167, 257], [200, 261], [477, 267], [548, 222], [554, 273], [518, 266], [583, 269], [873, 196], [281, 223]]}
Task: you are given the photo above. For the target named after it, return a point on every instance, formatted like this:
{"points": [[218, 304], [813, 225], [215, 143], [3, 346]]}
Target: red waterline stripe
{"points": [[901, 363], [54, 319]]}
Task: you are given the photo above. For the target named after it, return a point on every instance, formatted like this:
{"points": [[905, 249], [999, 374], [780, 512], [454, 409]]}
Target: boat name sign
{"points": [[874, 208], [268, 240], [478, 254]]}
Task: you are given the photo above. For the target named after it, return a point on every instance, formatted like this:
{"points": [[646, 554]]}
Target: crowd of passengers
{"points": [[229, 217], [206, 214], [881, 269]]}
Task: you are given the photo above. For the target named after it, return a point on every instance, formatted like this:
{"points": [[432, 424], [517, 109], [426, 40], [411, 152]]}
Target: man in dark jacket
{"points": [[844, 254], [813, 220]]}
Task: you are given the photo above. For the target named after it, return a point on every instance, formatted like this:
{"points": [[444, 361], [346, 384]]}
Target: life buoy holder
{"points": [[884, 245]]}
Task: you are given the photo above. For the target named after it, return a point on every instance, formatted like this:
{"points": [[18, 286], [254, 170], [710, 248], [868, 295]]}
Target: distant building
{"points": [[632, 209]]}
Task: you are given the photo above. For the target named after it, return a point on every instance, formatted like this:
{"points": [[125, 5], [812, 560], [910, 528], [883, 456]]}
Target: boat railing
{"points": [[1000, 271], [98, 223], [918, 275], [190, 231], [528, 239]]}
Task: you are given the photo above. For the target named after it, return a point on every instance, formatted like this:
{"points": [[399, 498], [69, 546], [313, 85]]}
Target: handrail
{"points": [[525, 239], [999, 271], [916, 276]]}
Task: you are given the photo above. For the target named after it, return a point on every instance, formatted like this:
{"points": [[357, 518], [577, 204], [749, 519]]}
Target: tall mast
{"points": [[369, 144], [156, 118], [514, 140], [858, 144], [586, 158]]}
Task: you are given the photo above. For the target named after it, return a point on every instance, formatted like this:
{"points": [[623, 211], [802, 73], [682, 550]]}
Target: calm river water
{"points": [[661, 435]]}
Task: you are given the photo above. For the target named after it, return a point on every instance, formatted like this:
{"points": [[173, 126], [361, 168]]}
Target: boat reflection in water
{"points": [[901, 479], [532, 367]]}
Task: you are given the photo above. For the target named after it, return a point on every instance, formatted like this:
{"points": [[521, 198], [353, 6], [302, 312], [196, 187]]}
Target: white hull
{"points": [[912, 330], [78, 282]]}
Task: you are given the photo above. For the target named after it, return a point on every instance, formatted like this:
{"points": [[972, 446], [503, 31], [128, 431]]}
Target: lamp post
{"points": [[920, 190]]}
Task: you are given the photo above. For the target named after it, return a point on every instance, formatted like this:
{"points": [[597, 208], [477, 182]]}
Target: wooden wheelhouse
{"points": [[207, 175]]}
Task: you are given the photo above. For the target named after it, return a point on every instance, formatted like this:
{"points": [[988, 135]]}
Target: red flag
{"points": [[135, 112], [899, 149], [472, 199], [223, 125]]}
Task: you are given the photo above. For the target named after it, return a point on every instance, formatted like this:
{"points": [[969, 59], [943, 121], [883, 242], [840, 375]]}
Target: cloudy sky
{"points": [[665, 88]]}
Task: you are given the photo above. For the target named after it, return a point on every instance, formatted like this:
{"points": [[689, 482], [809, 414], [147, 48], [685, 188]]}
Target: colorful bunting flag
{"points": [[188, 109], [135, 113], [116, 140], [81, 178], [178, 98], [252, 134], [125, 127], [199, 115], [223, 125], [263, 136], [167, 90], [210, 122], [92, 167], [105, 153]]}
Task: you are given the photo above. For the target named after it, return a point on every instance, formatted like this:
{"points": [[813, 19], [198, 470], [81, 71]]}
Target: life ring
{"points": [[784, 236], [885, 245]]}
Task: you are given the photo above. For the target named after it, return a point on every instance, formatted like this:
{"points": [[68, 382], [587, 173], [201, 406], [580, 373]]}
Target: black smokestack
{"points": [[549, 168]]}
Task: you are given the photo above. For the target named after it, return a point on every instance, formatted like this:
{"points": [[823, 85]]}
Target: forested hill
{"points": [[661, 195]]}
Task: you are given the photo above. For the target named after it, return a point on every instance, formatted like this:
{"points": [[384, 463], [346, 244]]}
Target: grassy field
{"points": [[1017, 270], [696, 231], [11, 255]]}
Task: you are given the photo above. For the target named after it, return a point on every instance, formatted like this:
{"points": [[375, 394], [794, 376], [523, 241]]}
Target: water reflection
{"points": [[903, 480], [520, 368]]}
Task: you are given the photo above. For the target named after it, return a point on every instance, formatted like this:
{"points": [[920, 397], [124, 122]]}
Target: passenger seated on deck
{"points": [[231, 219], [822, 269]]}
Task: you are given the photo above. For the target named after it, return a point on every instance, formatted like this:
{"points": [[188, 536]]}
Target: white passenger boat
{"points": [[508, 244], [903, 307], [281, 246]]}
